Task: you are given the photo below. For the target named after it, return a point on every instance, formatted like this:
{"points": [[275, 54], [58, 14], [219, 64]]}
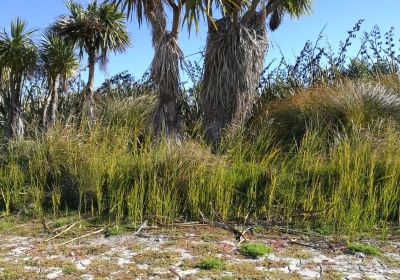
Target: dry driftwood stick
{"points": [[61, 233], [19, 226], [80, 237], [141, 228], [330, 245], [45, 226], [295, 231], [173, 271], [187, 224], [313, 234], [303, 244], [239, 235], [61, 228], [242, 238]]}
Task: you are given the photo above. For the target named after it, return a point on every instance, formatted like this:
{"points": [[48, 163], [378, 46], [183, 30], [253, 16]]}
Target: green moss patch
{"points": [[356, 247], [254, 250]]}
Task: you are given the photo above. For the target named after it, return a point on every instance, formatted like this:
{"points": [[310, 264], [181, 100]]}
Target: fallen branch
{"points": [[80, 237], [295, 231], [238, 234], [250, 229], [312, 234], [173, 271], [61, 228], [303, 244], [188, 224], [19, 226], [61, 233], [141, 228], [329, 244], [45, 226]]}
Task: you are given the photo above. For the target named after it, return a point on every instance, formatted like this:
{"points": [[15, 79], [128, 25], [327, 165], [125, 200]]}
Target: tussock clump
{"points": [[345, 180], [335, 107]]}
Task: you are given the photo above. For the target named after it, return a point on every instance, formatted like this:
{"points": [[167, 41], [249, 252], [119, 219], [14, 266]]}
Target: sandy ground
{"points": [[175, 252]]}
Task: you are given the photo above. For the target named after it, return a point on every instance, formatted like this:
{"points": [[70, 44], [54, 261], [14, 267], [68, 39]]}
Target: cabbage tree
{"points": [[60, 62], [236, 46], [18, 56], [165, 64], [96, 30]]}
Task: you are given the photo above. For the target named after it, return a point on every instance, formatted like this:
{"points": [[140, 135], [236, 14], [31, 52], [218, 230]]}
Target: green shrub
{"points": [[254, 250], [115, 230], [210, 263], [356, 247]]}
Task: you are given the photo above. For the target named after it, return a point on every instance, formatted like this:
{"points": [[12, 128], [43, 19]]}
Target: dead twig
{"points": [[62, 232], [189, 224], [141, 228], [80, 237], [321, 271], [238, 234], [303, 244], [19, 226], [61, 228], [45, 226], [330, 245], [295, 231], [173, 271], [312, 234]]}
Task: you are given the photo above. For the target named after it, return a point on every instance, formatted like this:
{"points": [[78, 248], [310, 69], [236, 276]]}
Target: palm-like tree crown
{"points": [[275, 8], [97, 28], [58, 56], [294, 8], [17, 50], [131, 7]]}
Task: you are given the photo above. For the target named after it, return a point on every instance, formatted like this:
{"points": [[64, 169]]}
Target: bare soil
{"points": [[30, 250]]}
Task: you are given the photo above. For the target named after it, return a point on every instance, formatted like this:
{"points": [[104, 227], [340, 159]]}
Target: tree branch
{"points": [[172, 4], [251, 11], [176, 8]]}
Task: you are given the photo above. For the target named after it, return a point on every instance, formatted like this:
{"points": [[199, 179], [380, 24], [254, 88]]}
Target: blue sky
{"points": [[338, 15]]}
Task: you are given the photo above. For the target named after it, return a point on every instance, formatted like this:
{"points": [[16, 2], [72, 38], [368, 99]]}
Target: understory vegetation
{"points": [[321, 150]]}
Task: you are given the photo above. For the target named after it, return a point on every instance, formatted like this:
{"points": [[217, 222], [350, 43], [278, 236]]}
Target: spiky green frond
{"points": [[132, 7], [100, 28], [297, 8], [197, 8], [58, 55], [17, 50], [294, 8]]}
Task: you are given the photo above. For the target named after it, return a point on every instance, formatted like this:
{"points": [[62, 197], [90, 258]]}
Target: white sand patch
{"points": [[54, 274], [82, 264]]}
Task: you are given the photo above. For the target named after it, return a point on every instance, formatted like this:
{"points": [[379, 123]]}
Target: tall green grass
{"points": [[332, 162]]}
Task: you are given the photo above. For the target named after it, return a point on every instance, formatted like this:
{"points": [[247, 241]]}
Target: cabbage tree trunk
{"points": [[15, 126], [165, 69], [165, 74], [50, 109], [233, 64], [88, 104], [53, 105]]}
